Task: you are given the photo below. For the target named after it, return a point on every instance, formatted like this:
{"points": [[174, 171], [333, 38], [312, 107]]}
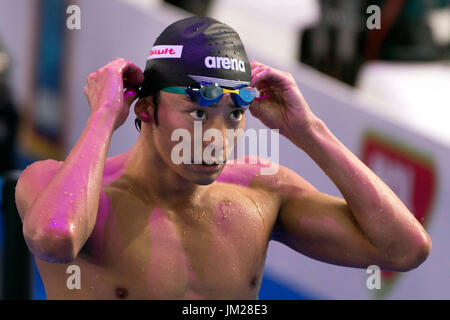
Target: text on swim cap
{"points": [[224, 63], [165, 52]]}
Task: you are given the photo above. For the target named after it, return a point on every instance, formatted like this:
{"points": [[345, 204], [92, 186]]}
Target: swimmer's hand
{"points": [[105, 89], [284, 108]]}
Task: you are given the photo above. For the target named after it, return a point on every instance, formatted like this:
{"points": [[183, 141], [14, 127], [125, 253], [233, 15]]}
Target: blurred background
{"points": [[377, 72]]}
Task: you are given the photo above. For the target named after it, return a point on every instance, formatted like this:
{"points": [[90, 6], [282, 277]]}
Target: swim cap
{"points": [[196, 49]]}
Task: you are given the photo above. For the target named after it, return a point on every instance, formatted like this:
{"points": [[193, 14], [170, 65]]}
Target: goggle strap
{"points": [[174, 90], [189, 90]]}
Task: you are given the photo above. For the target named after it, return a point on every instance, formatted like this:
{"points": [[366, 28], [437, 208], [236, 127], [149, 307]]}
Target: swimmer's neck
{"points": [[145, 168]]}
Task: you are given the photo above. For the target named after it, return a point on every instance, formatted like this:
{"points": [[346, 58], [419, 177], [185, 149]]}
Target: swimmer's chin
{"points": [[204, 182]]}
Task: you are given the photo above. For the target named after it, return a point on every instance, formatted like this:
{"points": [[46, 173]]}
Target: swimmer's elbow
{"points": [[56, 246], [420, 258], [415, 258]]}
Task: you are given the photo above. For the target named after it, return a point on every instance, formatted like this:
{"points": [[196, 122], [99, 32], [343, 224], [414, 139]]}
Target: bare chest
{"points": [[216, 250]]}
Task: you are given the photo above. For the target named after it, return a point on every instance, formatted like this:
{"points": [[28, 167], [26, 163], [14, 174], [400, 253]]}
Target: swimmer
{"points": [[140, 226]]}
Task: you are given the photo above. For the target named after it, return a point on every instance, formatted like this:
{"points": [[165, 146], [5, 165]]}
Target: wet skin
{"points": [[167, 231], [212, 247]]}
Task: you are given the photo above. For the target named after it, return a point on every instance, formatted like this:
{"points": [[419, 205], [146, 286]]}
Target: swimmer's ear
{"points": [[144, 109]]}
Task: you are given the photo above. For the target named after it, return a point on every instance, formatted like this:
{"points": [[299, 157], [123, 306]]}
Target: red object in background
{"points": [[374, 40], [409, 174]]}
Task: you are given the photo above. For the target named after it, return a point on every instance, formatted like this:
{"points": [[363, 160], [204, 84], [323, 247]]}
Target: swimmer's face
{"points": [[177, 111]]}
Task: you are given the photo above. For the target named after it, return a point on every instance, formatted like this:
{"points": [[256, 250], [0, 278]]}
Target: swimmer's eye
{"points": [[198, 115], [236, 115]]}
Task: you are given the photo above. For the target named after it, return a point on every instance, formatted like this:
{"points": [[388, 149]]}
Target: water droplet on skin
{"points": [[70, 194], [65, 192], [226, 209], [81, 190]]}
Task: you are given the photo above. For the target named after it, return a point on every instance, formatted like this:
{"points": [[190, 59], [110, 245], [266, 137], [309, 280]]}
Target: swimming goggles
{"points": [[208, 93]]}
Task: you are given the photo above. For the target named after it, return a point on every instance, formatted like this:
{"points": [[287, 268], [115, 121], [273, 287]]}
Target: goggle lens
{"points": [[210, 92], [207, 94]]}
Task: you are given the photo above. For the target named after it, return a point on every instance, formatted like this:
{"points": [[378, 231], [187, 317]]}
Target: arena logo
{"points": [[165, 52], [218, 152], [224, 63]]}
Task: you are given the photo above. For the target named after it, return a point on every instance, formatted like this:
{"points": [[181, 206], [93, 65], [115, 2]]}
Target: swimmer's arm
{"points": [[371, 226], [58, 207]]}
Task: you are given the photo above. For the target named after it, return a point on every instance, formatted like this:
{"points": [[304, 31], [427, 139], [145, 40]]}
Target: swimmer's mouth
{"points": [[214, 164], [205, 168]]}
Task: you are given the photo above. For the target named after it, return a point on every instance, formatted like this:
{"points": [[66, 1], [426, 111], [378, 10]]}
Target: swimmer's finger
{"points": [[262, 77], [254, 64], [256, 70], [273, 78], [132, 76], [129, 96]]}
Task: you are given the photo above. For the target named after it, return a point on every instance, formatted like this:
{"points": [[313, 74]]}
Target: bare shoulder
{"points": [[38, 173], [34, 178], [271, 188], [259, 173], [115, 164]]}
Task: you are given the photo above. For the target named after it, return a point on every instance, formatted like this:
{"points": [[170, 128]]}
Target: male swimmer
{"points": [[140, 226]]}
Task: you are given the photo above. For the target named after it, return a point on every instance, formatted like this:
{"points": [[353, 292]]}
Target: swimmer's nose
{"points": [[217, 125], [213, 142]]}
